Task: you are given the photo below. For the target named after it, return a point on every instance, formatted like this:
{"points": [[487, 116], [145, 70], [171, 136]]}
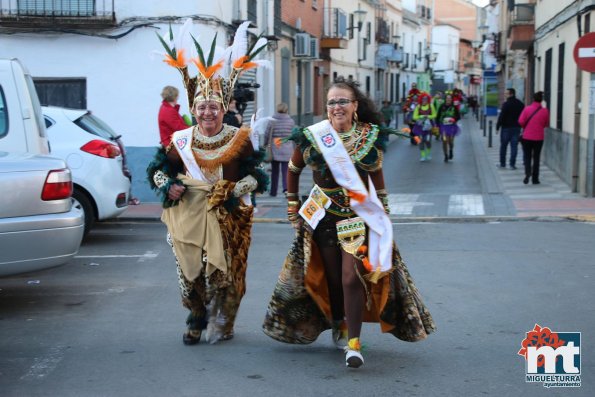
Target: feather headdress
{"points": [[211, 83]]}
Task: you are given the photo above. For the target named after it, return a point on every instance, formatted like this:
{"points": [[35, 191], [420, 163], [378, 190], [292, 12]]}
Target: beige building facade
{"points": [[568, 147]]}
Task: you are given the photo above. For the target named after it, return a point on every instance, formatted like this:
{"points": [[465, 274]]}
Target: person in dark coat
{"points": [[508, 120]]}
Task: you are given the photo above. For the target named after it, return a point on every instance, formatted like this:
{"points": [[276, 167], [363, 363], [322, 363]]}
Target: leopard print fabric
{"points": [[160, 179]]}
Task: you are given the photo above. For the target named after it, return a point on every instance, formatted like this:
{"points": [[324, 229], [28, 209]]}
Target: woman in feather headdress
{"points": [[343, 268], [205, 177]]}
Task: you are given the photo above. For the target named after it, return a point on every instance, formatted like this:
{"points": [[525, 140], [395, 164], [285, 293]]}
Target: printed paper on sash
{"points": [[313, 209], [365, 204]]}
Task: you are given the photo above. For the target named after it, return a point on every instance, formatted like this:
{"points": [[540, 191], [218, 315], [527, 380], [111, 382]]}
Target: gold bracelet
{"points": [[293, 168]]}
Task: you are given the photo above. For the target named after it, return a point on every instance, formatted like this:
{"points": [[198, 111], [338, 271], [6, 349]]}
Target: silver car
{"points": [[39, 228]]}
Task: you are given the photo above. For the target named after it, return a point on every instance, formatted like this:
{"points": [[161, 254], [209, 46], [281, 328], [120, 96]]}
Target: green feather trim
{"points": [[253, 166], [161, 163]]}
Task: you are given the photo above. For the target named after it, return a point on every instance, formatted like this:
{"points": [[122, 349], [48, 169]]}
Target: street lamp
{"points": [[272, 44], [360, 15], [430, 58]]}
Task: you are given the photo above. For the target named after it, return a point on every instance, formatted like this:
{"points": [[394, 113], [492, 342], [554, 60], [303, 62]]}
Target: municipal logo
{"points": [[181, 142], [328, 140], [552, 358]]}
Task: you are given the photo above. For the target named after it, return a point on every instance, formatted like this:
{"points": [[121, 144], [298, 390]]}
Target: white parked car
{"points": [[95, 155]]}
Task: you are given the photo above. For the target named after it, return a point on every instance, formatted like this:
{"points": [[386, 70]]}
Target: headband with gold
{"points": [[210, 83]]}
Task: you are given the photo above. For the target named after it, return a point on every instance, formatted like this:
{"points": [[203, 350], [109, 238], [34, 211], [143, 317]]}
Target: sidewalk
{"points": [[550, 199]]}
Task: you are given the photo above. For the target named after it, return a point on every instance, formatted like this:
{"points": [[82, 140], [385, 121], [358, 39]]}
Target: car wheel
{"points": [[80, 201]]}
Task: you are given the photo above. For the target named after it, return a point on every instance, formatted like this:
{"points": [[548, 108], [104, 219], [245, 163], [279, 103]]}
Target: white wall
{"points": [[547, 9], [410, 5], [124, 80], [347, 59], [564, 34], [445, 43]]}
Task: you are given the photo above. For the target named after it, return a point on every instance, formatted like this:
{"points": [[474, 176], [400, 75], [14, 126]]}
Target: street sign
{"points": [[584, 52]]}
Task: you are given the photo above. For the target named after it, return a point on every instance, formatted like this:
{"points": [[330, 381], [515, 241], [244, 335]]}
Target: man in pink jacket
{"points": [[534, 119]]}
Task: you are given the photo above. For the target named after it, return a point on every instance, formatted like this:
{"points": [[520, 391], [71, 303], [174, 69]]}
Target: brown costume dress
{"points": [[211, 293], [299, 309]]}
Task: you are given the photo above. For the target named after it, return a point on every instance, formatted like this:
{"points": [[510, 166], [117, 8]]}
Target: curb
{"points": [[395, 220]]}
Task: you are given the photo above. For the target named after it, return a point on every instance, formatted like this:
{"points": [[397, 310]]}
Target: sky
{"points": [[481, 3]]}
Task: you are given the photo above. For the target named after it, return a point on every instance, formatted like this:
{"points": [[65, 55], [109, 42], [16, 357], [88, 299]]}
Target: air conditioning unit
{"points": [[314, 47], [302, 46]]}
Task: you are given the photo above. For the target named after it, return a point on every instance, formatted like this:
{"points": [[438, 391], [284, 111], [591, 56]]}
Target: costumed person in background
{"points": [[448, 116], [437, 101], [408, 109], [413, 90], [343, 267], [457, 98], [424, 116], [279, 130], [169, 118], [205, 177]]}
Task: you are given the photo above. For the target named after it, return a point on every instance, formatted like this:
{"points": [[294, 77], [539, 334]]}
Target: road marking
{"points": [[404, 204], [465, 204], [142, 257], [43, 366]]}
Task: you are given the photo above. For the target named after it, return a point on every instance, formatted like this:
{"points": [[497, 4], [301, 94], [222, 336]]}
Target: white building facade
{"points": [[105, 61], [445, 44], [569, 142]]}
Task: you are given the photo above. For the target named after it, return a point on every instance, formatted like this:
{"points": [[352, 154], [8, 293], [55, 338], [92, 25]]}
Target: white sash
{"points": [[380, 241], [183, 144]]}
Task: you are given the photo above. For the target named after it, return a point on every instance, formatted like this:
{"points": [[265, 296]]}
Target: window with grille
{"points": [[66, 8], [252, 11]]}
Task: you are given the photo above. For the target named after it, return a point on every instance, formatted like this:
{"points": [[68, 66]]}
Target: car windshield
{"points": [[95, 126]]}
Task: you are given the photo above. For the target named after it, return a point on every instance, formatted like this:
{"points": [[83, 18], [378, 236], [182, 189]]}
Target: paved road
{"points": [[109, 323]]}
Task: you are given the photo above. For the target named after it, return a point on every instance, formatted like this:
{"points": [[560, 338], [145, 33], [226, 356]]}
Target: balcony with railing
{"points": [[334, 34], [521, 28], [382, 31], [33, 14]]}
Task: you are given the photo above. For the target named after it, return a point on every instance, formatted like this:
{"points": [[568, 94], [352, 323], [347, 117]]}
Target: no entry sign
{"points": [[584, 52]]}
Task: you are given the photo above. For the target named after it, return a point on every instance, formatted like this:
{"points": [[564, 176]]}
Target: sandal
{"points": [[191, 337]]}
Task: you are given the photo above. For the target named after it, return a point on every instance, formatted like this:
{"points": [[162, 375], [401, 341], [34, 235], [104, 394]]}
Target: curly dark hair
{"points": [[366, 109]]}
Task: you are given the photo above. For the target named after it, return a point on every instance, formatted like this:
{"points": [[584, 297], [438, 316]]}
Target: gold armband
{"points": [[293, 168], [245, 185]]}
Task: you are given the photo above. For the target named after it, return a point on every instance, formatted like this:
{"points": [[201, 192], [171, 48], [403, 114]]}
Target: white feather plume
{"points": [[182, 40], [240, 41], [262, 41], [220, 55]]}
